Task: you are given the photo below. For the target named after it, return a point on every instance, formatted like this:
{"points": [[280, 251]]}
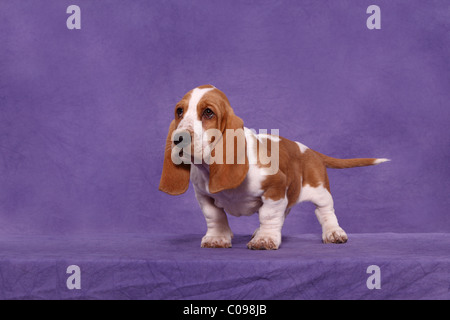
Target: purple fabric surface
{"points": [[84, 116], [413, 266]]}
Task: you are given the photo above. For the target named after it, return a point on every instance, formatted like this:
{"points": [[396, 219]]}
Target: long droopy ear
{"points": [[230, 174], [174, 178]]}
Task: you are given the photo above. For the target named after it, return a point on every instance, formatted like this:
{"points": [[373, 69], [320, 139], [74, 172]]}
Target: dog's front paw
{"points": [[334, 235], [264, 241], [216, 242]]}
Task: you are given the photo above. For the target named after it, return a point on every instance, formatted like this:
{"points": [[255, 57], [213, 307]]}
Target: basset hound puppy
{"points": [[243, 180]]}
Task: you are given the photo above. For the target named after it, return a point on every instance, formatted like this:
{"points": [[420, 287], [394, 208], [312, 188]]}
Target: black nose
{"points": [[180, 139]]}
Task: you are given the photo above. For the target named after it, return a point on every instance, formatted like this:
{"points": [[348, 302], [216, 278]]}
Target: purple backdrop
{"points": [[84, 113]]}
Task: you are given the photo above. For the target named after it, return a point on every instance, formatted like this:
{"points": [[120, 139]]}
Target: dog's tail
{"points": [[334, 163]]}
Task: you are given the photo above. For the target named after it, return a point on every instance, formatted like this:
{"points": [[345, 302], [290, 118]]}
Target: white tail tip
{"points": [[381, 160]]}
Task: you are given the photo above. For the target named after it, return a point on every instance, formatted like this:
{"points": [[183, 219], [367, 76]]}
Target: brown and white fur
{"points": [[247, 188]]}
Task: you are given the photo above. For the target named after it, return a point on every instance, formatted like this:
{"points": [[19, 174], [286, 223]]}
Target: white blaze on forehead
{"points": [[190, 117], [196, 96]]}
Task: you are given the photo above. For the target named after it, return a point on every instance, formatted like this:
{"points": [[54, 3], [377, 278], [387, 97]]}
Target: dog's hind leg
{"points": [[321, 197], [331, 231]]}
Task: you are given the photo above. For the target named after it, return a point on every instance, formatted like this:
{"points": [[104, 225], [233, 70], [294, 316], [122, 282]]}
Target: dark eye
{"points": [[208, 113], [180, 112]]}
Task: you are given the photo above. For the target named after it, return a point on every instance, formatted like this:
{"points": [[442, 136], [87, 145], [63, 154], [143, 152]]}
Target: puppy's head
{"points": [[203, 119]]}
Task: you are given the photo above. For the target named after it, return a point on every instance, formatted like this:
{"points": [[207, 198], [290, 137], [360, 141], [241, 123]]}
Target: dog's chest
{"points": [[237, 203], [244, 200]]}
